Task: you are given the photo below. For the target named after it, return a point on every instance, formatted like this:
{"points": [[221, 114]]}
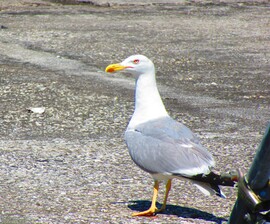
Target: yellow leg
{"points": [[151, 211], [168, 188]]}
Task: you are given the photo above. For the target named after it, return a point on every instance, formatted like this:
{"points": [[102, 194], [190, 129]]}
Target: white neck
{"points": [[148, 104]]}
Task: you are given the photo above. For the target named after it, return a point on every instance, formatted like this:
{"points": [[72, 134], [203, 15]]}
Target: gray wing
{"points": [[168, 147]]}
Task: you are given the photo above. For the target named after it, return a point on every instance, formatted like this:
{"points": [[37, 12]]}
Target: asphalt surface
{"points": [[70, 163]]}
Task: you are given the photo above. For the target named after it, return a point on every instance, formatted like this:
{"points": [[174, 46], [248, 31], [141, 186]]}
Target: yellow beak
{"points": [[115, 67]]}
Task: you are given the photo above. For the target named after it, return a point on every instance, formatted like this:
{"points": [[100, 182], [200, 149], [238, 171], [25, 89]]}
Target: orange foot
{"points": [[150, 212]]}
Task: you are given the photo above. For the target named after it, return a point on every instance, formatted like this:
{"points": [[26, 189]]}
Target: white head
{"points": [[135, 64], [148, 104]]}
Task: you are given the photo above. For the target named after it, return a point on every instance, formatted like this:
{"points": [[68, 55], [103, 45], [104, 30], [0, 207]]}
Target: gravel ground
{"points": [[70, 163]]}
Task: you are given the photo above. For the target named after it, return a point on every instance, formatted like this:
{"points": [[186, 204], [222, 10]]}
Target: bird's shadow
{"points": [[184, 212]]}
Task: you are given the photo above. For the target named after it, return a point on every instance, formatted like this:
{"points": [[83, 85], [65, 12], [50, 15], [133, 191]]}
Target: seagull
{"points": [[160, 145]]}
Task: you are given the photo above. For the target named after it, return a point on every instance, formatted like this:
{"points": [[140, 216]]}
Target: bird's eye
{"points": [[136, 61]]}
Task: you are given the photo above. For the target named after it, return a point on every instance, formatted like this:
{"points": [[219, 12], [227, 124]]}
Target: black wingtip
{"points": [[218, 191], [226, 179]]}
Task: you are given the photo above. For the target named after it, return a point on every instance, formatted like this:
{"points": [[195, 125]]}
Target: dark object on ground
{"points": [[254, 189]]}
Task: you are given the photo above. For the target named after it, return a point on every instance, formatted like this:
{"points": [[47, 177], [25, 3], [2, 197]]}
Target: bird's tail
{"points": [[209, 183]]}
